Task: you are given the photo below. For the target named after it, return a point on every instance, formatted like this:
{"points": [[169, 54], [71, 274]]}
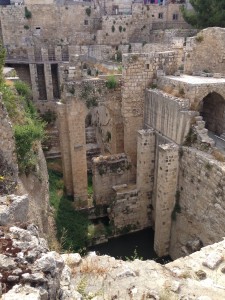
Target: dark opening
{"points": [[55, 81], [41, 82], [213, 112], [23, 72], [134, 245]]}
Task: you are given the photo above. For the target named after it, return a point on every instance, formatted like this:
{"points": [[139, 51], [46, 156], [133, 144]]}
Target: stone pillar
{"points": [[34, 81], [48, 81], [76, 113], [167, 173], [58, 53], [145, 172], [65, 147], [44, 54], [145, 160], [30, 53]]}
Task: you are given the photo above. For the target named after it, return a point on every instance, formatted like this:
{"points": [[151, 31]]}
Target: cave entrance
{"points": [[213, 112]]}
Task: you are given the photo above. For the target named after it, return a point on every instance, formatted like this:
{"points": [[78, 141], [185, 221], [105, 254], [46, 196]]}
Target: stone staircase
{"points": [[202, 132], [52, 143]]}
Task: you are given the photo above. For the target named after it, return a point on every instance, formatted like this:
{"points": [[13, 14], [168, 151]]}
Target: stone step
{"points": [[200, 124], [198, 118], [222, 135]]}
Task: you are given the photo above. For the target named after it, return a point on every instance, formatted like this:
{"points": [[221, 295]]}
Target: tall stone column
{"points": [[145, 172], [76, 113], [65, 147], [48, 81], [34, 81], [167, 174]]}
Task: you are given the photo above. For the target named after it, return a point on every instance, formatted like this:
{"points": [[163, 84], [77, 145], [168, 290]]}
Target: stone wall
{"points": [[138, 73], [201, 202], [195, 89], [166, 182], [8, 160], [205, 51], [40, 29], [167, 114], [109, 171]]}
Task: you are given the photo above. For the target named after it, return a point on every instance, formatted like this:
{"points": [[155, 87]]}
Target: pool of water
{"points": [[134, 245]]}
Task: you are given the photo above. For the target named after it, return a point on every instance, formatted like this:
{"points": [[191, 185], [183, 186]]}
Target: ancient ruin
{"points": [[139, 97]]}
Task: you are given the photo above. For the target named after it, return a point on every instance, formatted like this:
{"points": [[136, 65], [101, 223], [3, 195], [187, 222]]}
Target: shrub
{"points": [[49, 116], [199, 38], [26, 27], [88, 11], [218, 155], [23, 89], [120, 28], [113, 28], [25, 138], [28, 14], [111, 82]]}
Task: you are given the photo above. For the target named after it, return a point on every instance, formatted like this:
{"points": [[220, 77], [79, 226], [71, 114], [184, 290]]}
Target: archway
{"points": [[213, 112]]}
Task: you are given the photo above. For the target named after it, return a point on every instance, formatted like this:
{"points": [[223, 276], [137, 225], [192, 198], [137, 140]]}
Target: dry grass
{"points": [[93, 266], [218, 155]]}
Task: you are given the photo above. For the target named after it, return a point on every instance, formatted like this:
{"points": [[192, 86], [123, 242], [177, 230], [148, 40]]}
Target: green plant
{"points": [[134, 256], [25, 137], [113, 28], [120, 69], [26, 27], [89, 71], [129, 48], [92, 102], [153, 86], [118, 56], [120, 28], [23, 89], [28, 14], [111, 82], [208, 166], [181, 91], [191, 138], [71, 90], [199, 38], [49, 116], [124, 29], [74, 223], [108, 136], [88, 11]]}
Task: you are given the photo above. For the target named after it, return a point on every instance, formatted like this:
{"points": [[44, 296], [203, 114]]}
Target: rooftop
{"points": [[196, 79]]}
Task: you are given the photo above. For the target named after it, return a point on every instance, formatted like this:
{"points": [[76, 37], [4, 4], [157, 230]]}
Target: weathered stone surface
{"points": [[19, 292], [72, 258], [213, 260], [6, 263], [13, 209]]}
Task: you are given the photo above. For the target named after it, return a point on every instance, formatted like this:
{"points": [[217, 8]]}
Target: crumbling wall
{"points": [[200, 212], [8, 161], [138, 73], [205, 51], [109, 171]]}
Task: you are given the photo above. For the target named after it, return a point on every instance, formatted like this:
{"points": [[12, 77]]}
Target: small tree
{"points": [[28, 14], [205, 13]]}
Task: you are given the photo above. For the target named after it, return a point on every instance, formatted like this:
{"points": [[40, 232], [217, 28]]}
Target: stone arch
{"points": [[212, 109]]}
